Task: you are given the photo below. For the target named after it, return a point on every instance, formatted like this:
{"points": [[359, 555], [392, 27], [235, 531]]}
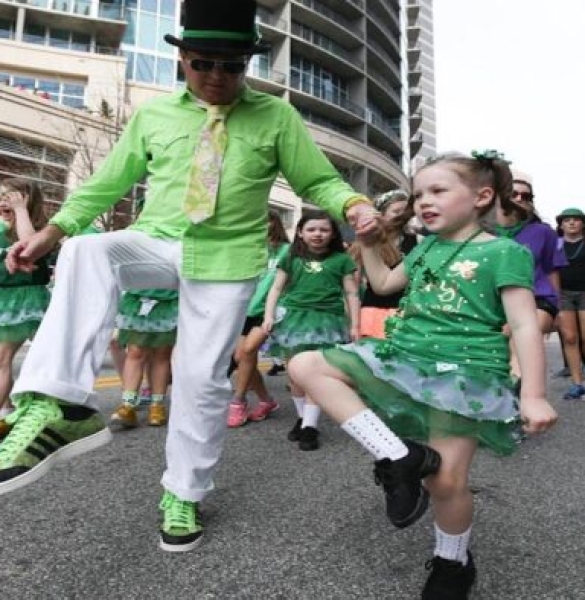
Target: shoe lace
{"points": [[179, 514], [28, 419]]}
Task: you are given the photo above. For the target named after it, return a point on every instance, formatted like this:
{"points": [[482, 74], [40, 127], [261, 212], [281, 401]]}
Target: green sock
{"points": [[158, 398], [130, 397]]}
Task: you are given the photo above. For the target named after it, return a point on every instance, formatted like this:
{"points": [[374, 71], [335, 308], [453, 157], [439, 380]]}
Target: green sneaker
{"points": [[44, 432], [181, 529]]}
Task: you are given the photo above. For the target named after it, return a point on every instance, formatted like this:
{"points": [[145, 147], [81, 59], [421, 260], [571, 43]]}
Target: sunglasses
{"points": [[233, 67], [524, 196]]}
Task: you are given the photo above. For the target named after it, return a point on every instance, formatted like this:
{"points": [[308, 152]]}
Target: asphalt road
{"points": [[284, 524]]}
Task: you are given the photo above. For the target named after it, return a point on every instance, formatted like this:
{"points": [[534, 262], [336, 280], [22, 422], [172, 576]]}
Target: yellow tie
{"points": [[201, 195]]}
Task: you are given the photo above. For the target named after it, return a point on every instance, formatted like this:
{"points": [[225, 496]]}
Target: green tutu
{"points": [[421, 402], [298, 330], [147, 325], [21, 311]]}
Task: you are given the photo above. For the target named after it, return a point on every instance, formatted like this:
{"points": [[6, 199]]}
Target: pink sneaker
{"points": [[262, 410], [238, 414]]}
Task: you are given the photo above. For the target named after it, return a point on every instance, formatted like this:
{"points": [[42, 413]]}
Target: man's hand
{"points": [[22, 255], [365, 220]]}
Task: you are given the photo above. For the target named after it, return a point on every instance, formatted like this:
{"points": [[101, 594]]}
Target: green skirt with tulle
{"points": [[299, 330], [21, 311], [416, 400], [146, 322]]}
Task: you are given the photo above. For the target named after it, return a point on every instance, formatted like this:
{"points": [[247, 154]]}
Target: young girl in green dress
{"points": [[305, 307], [147, 322], [24, 296], [441, 375]]}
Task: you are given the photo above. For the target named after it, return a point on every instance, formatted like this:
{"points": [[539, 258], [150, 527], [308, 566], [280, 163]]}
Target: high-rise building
{"points": [[421, 81], [71, 72]]}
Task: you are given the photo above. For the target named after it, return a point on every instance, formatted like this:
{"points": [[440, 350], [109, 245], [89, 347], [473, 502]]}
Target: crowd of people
{"points": [[423, 339]]}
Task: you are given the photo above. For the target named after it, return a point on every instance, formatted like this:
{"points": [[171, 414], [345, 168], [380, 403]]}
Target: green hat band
{"points": [[218, 35]]}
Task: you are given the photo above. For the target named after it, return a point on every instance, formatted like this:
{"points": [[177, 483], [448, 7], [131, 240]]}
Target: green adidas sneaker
{"points": [[181, 529], [44, 432]]}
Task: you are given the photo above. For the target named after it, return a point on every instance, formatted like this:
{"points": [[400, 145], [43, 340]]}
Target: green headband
{"points": [[213, 34]]}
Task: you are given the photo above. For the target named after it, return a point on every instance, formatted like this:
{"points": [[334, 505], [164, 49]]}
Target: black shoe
{"points": [[309, 439], [449, 579], [406, 498], [275, 370], [295, 433]]}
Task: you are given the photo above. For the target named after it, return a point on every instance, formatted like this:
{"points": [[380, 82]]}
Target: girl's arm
{"points": [[383, 280], [280, 280], [537, 414], [22, 225], [351, 288]]}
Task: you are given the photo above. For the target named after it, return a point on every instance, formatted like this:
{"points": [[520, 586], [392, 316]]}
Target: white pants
{"points": [[70, 345]]}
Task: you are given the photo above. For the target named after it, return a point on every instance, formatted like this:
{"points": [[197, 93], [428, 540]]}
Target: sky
{"points": [[510, 75]]}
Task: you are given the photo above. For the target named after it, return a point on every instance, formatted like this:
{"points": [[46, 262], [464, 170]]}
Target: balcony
{"points": [[266, 79], [312, 98], [328, 21], [415, 120], [414, 99], [382, 133], [74, 16], [413, 34], [335, 53], [385, 61], [376, 29], [416, 142], [389, 92], [412, 11], [414, 76]]}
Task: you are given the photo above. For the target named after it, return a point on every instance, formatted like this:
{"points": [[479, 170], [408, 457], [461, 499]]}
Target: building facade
{"points": [[421, 81], [71, 71]]}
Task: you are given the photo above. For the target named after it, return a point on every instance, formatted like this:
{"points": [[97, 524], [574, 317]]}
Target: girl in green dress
{"points": [[305, 307], [147, 323], [23, 296], [441, 375]]}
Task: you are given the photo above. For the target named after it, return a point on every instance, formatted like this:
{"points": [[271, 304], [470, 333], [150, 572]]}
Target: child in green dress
{"points": [[305, 307], [24, 297], [147, 322], [441, 375]]}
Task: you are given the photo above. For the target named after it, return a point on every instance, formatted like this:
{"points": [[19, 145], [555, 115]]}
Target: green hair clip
{"points": [[487, 156]]}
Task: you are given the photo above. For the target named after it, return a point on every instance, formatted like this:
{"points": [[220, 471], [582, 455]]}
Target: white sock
{"points": [[452, 547], [311, 415], [299, 405], [369, 430]]}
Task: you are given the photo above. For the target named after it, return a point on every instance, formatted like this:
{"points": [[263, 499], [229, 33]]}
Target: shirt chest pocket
{"points": [[165, 147], [251, 157]]}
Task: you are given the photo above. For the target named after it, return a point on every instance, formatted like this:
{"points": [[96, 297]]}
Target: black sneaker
{"points": [[295, 433], [309, 439], [449, 579], [275, 370], [406, 498]]}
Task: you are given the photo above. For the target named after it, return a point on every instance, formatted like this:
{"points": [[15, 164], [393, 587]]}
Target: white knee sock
{"points": [[299, 405], [369, 430], [311, 415], [452, 547]]}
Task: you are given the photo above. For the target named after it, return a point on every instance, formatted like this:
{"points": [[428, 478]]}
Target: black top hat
{"points": [[220, 27]]}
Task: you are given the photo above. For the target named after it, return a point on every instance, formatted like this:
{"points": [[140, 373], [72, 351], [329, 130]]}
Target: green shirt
{"points": [[258, 301], [316, 283], [266, 136], [458, 321]]}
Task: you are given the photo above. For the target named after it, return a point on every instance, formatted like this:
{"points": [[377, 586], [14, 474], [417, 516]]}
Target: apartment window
{"points": [[69, 94], [144, 68], [59, 38], [149, 5], [147, 39], [165, 71], [313, 79], [80, 42], [6, 29], [34, 34], [168, 7]]}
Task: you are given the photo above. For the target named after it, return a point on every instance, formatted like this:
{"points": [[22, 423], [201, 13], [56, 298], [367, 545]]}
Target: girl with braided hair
{"points": [[441, 377]]}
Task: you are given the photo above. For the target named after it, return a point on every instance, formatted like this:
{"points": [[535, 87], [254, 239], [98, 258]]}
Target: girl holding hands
{"points": [[441, 376]]}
